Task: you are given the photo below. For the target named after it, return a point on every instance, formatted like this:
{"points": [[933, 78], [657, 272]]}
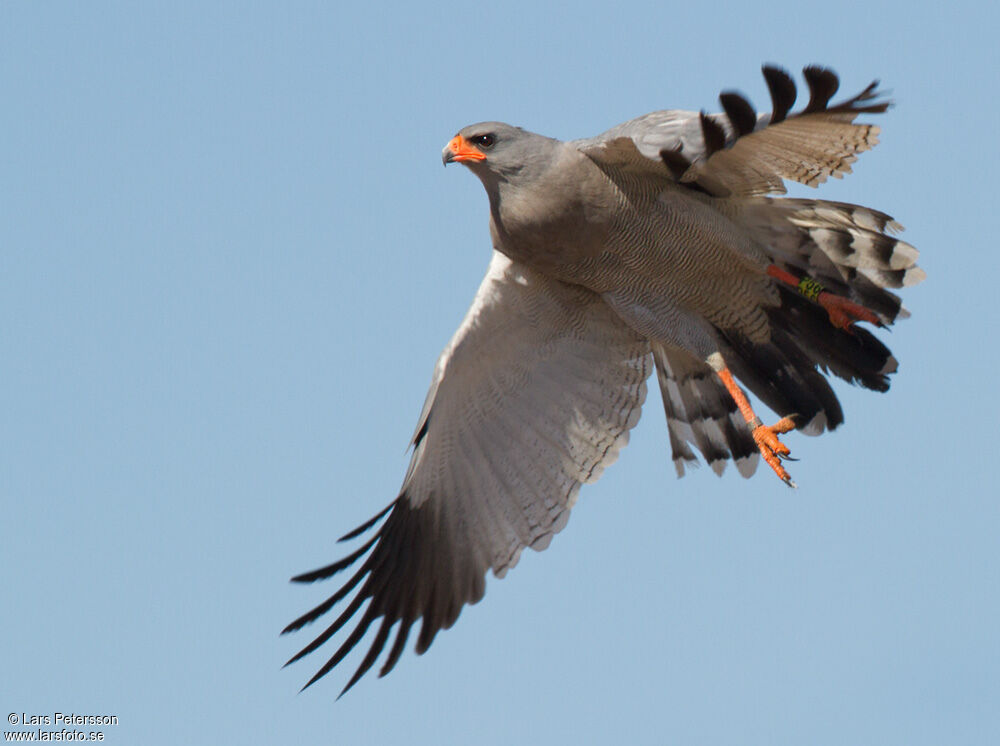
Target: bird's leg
{"points": [[843, 313], [765, 437]]}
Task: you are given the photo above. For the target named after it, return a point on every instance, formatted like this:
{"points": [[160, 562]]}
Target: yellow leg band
{"points": [[810, 288]]}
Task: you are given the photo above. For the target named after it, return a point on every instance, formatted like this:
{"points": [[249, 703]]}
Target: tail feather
{"points": [[782, 376], [787, 373], [701, 412], [856, 356], [849, 249]]}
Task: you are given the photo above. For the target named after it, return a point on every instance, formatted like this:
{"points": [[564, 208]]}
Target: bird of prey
{"points": [[652, 246]]}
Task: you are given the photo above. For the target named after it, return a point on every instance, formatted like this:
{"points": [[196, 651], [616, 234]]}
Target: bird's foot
{"points": [[843, 313], [772, 449], [766, 438]]}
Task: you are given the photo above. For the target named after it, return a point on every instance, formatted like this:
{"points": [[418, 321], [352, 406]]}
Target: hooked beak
{"points": [[460, 150]]}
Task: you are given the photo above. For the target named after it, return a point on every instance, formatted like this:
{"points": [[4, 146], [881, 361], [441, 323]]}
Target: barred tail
{"points": [[851, 250]]}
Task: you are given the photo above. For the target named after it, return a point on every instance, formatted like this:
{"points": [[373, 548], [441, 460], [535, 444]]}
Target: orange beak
{"points": [[460, 150]]}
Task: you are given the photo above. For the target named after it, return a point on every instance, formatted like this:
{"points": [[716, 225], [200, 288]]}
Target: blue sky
{"points": [[229, 257]]}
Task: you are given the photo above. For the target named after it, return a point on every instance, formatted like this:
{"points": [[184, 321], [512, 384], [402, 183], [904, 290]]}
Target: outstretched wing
{"points": [[741, 152], [534, 396]]}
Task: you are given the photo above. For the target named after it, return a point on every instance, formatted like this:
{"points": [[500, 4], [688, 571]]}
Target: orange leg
{"points": [[766, 437], [843, 313]]}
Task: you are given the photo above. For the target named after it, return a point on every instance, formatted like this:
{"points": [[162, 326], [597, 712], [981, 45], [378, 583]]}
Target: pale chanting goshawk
{"points": [[653, 245]]}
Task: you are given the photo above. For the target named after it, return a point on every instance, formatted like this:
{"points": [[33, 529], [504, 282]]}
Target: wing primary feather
{"points": [[676, 163], [352, 639], [330, 631], [333, 569], [316, 613], [740, 112], [434, 611], [372, 587], [857, 103], [782, 89], [367, 524], [397, 646], [413, 603], [373, 652], [823, 83], [388, 546], [428, 629], [713, 134]]}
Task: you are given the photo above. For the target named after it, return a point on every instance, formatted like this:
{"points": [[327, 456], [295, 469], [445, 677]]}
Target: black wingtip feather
{"points": [[740, 112], [332, 569], [346, 647], [823, 84], [781, 86], [857, 103], [676, 163], [373, 652], [330, 631], [397, 646], [315, 613], [713, 134], [414, 572], [369, 523]]}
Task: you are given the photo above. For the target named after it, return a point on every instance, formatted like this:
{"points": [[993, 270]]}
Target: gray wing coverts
{"points": [[534, 396]]}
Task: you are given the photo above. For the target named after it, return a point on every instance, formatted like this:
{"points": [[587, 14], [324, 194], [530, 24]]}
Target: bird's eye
{"points": [[483, 141]]}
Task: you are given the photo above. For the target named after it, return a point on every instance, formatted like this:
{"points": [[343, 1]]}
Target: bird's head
{"points": [[494, 150]]}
